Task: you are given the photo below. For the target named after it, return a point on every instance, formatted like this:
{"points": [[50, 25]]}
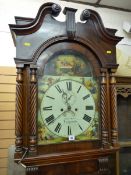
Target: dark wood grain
{"points": [[114, 122], [104, 110], [37, 41], [19, 111], [33, 110]]}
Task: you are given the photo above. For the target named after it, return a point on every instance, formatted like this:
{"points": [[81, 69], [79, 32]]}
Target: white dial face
{"points": [[67, 108]]}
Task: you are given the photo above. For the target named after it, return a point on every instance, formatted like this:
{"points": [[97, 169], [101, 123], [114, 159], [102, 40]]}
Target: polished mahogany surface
{"points": [[45, 36]]}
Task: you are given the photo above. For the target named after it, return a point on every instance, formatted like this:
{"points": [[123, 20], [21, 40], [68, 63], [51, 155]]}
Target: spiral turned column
{"points": [[104, 166], [33, 109], [113, 100], [32, 170], [104, 111], [19, 111]]}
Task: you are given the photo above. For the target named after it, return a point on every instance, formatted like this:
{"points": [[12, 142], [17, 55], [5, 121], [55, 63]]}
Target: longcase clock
{"points": [[66, 119]]}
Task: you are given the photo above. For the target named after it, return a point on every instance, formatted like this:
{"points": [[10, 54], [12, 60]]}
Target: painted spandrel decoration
{"points": [[67, 81]]}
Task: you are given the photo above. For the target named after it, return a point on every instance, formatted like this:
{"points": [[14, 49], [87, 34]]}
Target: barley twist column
{"points": [[32, 170], [113, 99], [33, 109], [103, 166], [19, 111], [104, 111]]}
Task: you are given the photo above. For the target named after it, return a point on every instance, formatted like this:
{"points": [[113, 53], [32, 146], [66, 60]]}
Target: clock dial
{"points": [[67, 108], [68, 99]]}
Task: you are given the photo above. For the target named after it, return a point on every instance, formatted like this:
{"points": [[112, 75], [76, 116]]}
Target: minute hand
{"points": [[60, 115], [66, 111]]}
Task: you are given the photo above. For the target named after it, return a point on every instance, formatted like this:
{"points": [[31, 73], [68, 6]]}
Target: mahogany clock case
{"points": [[38, 41]]}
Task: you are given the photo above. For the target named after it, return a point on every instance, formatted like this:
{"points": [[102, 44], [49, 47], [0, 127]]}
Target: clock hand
{"points": [[59, 115], [69, 97], [64, 96], [71, 112], [66, 111], [69, 109]]}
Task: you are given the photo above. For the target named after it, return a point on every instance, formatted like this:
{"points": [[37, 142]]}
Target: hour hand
{"points": [[69, 97], [64, 97], [60, 115]]}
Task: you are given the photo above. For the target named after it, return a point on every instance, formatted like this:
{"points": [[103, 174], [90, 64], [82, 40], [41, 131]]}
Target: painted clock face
{"points": [[67, 108], [68, 99]]}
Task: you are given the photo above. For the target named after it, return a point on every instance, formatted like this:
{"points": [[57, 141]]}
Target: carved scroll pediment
{"points": [[45, 29]]}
